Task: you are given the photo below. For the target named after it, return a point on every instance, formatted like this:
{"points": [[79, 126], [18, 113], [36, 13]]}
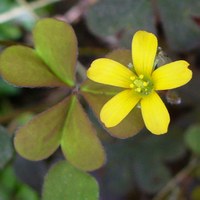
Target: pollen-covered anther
{"points": [[138, 89], [141, 76], [145, 83], [131, 85], [141, 85], [132, 78]]}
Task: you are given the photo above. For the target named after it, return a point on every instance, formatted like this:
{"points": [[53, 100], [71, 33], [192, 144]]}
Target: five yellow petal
{"points": [[171, 75], [144, 49], [155, 114], [110, 72], [117, 108], [138, 86]]}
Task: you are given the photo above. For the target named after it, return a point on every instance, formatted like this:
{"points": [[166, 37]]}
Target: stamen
{"points": [[145, 83], [132, 78], [131, 85], [138, 89], [141, 76], [141, 84]]}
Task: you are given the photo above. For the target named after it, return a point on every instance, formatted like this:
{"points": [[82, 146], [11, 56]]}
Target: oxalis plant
{"points": [[122, 89]]}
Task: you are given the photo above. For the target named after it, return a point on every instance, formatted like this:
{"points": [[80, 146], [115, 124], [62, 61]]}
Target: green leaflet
{"points": [[41, 136], [21, 66], [66, 182], [56, 43], [80, 143]]}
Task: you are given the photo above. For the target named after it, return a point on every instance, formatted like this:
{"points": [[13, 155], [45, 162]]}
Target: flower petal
{"points": [[155, 114], [144, 48], [117, 108], [171, 75], [110, 72]]}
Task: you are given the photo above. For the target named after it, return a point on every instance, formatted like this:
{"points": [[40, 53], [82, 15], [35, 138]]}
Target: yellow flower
{"points": [[140, 86]]}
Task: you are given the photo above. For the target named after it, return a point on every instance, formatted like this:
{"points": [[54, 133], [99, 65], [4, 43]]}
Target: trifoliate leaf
{"points": [[22, 66], [80, 143], [68, 183], [40, 137], [56, 44]]}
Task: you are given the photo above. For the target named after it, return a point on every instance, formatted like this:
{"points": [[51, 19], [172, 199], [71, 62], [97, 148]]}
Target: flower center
{"points": [[141, 85]]}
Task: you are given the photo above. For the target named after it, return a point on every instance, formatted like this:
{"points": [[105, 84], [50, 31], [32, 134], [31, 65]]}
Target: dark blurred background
{"points": [[143, 167]]}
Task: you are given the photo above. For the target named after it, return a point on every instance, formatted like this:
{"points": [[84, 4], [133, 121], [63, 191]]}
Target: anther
{"points": [[131, 85], [138, 89], [145, 83], [132, 78], [141, 76]]}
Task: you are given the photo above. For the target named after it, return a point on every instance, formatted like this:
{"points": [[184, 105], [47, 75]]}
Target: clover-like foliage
{"points": [[52, 63]]}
